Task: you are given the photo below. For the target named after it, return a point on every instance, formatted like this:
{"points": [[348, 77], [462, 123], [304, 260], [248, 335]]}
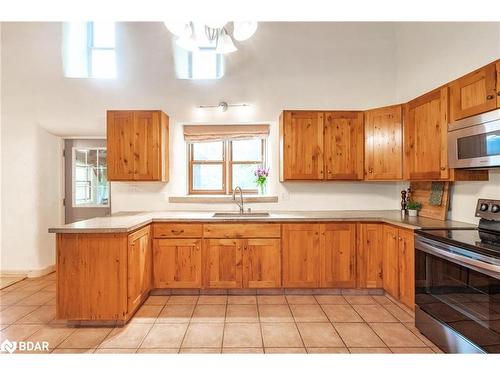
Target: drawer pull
{"points": [[489, 97], [177, 232]]}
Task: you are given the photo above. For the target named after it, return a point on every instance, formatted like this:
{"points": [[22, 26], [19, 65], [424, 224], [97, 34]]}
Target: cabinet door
{"points": [[369, 259], [139, 267], [147, 145], [120, 145], [302, 145], [384, 144], [177, 263], [407, 268], [262, 263], [343, 145], [498, 83], [426, 148], [391, 260], [301, 255], [338, 255], [223, 263], [474, 93]]}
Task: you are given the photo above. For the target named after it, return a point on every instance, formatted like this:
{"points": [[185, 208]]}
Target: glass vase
{"points": [[262, 189]]}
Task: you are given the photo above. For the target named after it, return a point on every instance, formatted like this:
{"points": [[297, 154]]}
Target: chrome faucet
{"points": [[240, 203]]}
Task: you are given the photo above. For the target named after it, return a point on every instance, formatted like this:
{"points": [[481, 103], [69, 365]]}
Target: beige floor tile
{"points": [[400, 314], [422, 350], [37, 299], [157, 351], [156, 300], [358, 335], [163, 336], [115, 351], [436, 350], [285, 350], [308, 313], [204, 335], [6, 281], [396, 335], [51, 302], [49, 288], [281, 335], [42, 315], [275, 313], [53, 335], [331, 300], [176, 314], [243, 350], [242, 313], [370, 350], [209, 313], [271, 300], [212, 300], [341, 314], [19, 332], [340, 350], [200, 351], [129, 336], [146, 314], [416, 332], [183, 300], [13, 313], [374, 313], [3, 326], [73, 351], [14, 297], [360, 300], [383, 300], [319, 335], [85, 338], [301, 300], [242, 335], [241, 300]]}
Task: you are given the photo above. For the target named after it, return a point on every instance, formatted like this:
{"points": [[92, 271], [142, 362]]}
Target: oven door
{"points": [[458, 302]]}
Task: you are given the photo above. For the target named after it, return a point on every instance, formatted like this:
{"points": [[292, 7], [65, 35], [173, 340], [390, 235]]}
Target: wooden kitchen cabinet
{"points": [[139, 274], [301, 255], [390, 260], [137, 146], [384, 144], [262, 263], [338, 255], [177, 263], [370, 256], [474, 93], [223, 263], [407, 267], [343, 145]]}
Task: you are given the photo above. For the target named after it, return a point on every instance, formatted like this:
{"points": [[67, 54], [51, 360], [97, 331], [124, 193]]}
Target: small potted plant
{"points": [[261, 175], [413, 208]]}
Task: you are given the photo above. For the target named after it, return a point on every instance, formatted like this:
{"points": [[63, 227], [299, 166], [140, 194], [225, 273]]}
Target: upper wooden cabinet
{"points": [[137, 145], [384, 143], [475, 93]]}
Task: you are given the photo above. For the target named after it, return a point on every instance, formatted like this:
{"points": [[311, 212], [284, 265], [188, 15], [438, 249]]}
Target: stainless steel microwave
{"points": [[474, 142]]}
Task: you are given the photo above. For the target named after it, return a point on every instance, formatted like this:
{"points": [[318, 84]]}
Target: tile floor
{"points": [[219, 324]]}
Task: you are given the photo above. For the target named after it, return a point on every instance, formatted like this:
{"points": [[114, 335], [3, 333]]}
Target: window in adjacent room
{"points": [[90, 178], [89, 49]]}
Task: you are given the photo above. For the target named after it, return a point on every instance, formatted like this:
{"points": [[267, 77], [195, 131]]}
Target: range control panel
{"points": [[488, 209]]}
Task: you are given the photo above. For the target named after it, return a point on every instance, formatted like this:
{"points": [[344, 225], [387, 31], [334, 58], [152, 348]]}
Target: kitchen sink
{"points": [[237, 214]]}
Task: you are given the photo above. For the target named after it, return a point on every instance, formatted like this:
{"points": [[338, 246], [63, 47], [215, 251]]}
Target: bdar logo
{"points": [[8, 346]]}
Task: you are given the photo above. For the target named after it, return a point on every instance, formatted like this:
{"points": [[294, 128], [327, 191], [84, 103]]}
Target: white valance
{"points": [[206, 133]]}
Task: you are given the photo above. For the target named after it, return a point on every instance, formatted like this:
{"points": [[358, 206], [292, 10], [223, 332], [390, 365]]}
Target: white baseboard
{"points": [[29, 273]]}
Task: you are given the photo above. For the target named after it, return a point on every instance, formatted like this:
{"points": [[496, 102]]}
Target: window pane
{"points": [[208, 151], [247, 150], [104, 34], [103, 63], [205, 64], [90, 174], [243, 176], [207, 177]]}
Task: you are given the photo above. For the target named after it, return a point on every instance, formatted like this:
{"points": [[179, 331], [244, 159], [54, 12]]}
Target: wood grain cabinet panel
{"points": [[137, 145], [474, 93], [384, 143], [370, 256], [139, 267], [407, 268], [497, 65], [301, 248], [223, 263], [301, 145], [177, 263], [178, 230], [391, 260], [343, 145], [262, 263], [338, 255], [247, 230]]}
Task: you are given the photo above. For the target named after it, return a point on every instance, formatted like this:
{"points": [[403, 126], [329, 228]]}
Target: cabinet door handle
{"points": [[489, 97], [177, 232], [498, 93]]}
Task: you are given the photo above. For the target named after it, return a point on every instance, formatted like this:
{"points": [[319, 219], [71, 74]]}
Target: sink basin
{"points": [[237, 214]]}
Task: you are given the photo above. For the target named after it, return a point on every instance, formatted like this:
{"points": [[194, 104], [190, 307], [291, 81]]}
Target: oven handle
{"points": [[442, 252]]}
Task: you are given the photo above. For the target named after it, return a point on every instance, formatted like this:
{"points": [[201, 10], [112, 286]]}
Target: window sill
{"points": [[222, 199]]}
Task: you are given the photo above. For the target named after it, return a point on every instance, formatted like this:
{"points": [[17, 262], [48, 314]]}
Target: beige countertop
{"points": [[129, 221]]}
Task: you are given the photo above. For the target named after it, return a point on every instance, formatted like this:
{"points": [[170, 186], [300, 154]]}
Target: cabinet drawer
{"points": [[263, 230], [177, 230]]}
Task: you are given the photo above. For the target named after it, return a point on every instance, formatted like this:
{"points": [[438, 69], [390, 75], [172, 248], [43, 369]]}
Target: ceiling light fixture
{"points": [[223, 106]]}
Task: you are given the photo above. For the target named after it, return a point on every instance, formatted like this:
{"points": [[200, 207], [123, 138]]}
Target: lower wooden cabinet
{"points": [[223, 263], [369, 257], [262, 263], [177, 263], [139, 267], [391, 260]]}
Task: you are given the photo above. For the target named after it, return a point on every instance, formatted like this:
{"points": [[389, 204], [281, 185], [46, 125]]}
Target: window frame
{"points": [[91, 47], [227, 168], [73, 182]]}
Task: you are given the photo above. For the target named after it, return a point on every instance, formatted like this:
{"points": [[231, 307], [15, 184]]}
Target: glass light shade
{"points": [[216, 24], [244, 30], [225, 44], [176, 27]]}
